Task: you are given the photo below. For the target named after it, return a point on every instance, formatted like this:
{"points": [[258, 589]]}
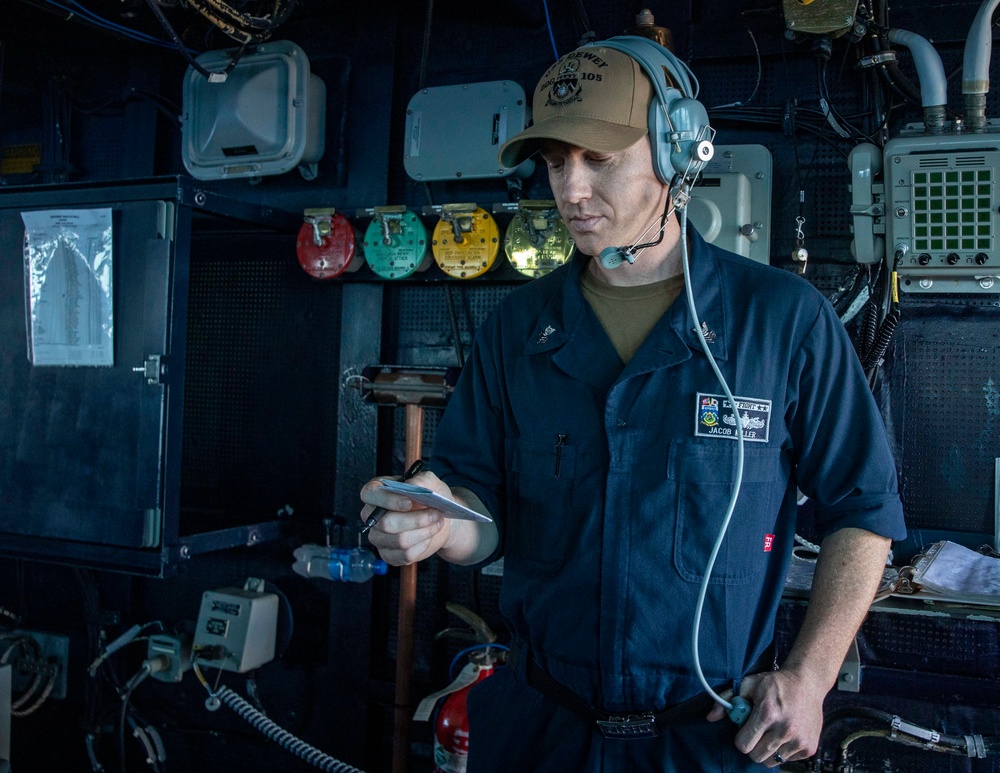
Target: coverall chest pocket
{"points": [[540, 504], [704, 474]]}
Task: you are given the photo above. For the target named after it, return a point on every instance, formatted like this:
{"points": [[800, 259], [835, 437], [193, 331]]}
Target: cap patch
{"points": [[566, 86], [594, 98]]}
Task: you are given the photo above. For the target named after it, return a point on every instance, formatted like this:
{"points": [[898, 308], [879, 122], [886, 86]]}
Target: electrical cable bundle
{"points": [[878, 323], [241, 25], [33, 661], [894, 728], [244, 27], [845, 295], [822, 121], [879, 339], [789, 117], [889, 70], [142, 731], [77, 12], [116, 710]]}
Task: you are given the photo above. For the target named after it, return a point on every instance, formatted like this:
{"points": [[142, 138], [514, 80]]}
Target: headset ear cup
{"points": [[693, 148], [680, 137], [659, 135]]}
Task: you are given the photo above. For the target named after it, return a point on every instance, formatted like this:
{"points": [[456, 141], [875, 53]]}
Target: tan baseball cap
{"points": [[594, 97]]}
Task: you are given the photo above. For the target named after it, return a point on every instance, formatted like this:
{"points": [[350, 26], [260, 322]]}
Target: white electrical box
{"points": [[236, 628], [455, 132], [730, 205], [265, 117]]}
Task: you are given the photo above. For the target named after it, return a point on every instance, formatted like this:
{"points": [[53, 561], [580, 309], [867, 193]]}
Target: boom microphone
{"points": [[612, 257]]}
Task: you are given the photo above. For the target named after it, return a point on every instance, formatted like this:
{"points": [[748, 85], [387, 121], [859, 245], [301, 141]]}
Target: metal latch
{"points": [[462, 219], [390, 220], [154, 369]]}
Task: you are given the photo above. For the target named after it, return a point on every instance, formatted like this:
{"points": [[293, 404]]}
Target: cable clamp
{"points": [[875, 60], [681, 196], [975, 746], [927, 739]]}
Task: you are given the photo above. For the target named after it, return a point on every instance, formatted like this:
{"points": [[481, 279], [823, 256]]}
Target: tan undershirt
{"points": [[629, 313]]}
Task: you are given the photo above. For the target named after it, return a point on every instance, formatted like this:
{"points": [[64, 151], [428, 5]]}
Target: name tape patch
{"points": [[714, 417]]}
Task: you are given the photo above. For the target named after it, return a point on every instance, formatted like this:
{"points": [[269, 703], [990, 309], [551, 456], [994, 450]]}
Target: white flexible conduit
{"points": [[978, 49], [930, 70]]}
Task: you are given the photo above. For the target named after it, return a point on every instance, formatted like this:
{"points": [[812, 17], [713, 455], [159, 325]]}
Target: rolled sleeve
{"points": [[844, 461]]}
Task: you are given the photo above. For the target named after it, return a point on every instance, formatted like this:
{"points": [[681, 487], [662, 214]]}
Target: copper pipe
{"points": [[407, 611]]}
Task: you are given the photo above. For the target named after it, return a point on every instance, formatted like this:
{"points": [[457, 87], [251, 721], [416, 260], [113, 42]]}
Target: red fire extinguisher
{"points": [[451, 724], [451, 728]]}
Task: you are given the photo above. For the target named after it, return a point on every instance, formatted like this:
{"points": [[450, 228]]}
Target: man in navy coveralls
{"points": [[590, 426]]}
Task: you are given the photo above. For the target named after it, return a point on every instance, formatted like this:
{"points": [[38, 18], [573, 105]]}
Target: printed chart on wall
{"points": [[68, 269]]}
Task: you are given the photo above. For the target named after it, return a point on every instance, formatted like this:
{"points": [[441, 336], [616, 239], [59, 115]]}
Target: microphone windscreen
{"points": [[611, 257]]}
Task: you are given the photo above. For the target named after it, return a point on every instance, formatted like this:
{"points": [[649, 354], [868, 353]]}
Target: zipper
{"points": [[560, 442]]}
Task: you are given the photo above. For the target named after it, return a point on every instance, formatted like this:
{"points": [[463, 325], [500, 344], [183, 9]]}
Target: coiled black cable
{"points": [[869, 327], [881, 342], [280, 736]]}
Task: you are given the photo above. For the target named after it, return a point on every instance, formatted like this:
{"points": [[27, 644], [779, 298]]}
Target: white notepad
{"points": [[447, 507]]}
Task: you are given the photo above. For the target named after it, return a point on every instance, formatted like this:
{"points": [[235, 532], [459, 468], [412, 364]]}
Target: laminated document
{"points": [[68, 278]]}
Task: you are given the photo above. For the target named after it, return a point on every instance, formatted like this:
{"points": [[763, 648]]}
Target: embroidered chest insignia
{"points": [[715, 418], [708, 334], [709, 411]]}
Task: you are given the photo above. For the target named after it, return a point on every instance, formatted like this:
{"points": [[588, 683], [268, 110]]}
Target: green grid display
{"points": [[952, 210]]}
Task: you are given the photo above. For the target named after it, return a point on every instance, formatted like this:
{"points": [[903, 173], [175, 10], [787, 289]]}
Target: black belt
{"points": [[643, 724]]}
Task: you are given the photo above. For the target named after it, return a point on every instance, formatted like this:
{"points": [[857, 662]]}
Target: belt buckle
{"points": [[628, 726]]}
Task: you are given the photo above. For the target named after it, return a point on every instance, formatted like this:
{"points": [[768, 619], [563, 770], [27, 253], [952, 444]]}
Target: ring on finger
{"points": [[778, 758]]}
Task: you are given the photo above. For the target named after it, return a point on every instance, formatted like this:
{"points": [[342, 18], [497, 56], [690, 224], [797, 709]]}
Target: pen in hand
{"points": [[378, 512]]}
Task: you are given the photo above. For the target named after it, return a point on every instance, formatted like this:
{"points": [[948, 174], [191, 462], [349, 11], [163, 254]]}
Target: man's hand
{"points": [[410, 532], [787, 716]]}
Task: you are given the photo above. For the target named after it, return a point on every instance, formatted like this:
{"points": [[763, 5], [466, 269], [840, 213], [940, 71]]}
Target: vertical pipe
{"points": [[407, 610]]}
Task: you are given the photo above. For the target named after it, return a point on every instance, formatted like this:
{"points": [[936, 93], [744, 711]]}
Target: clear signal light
{"points": [[396, 243], [466, 241], [537, 240], [326, 245]]}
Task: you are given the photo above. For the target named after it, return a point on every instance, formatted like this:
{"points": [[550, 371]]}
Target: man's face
{"points": [[605, 199]]}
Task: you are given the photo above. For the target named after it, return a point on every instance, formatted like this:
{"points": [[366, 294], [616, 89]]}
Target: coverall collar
{"points": [[566, 319], [713, 306]]}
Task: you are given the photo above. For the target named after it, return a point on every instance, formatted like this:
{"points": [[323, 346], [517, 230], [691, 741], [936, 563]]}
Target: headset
{"points": [[679, 133]]}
